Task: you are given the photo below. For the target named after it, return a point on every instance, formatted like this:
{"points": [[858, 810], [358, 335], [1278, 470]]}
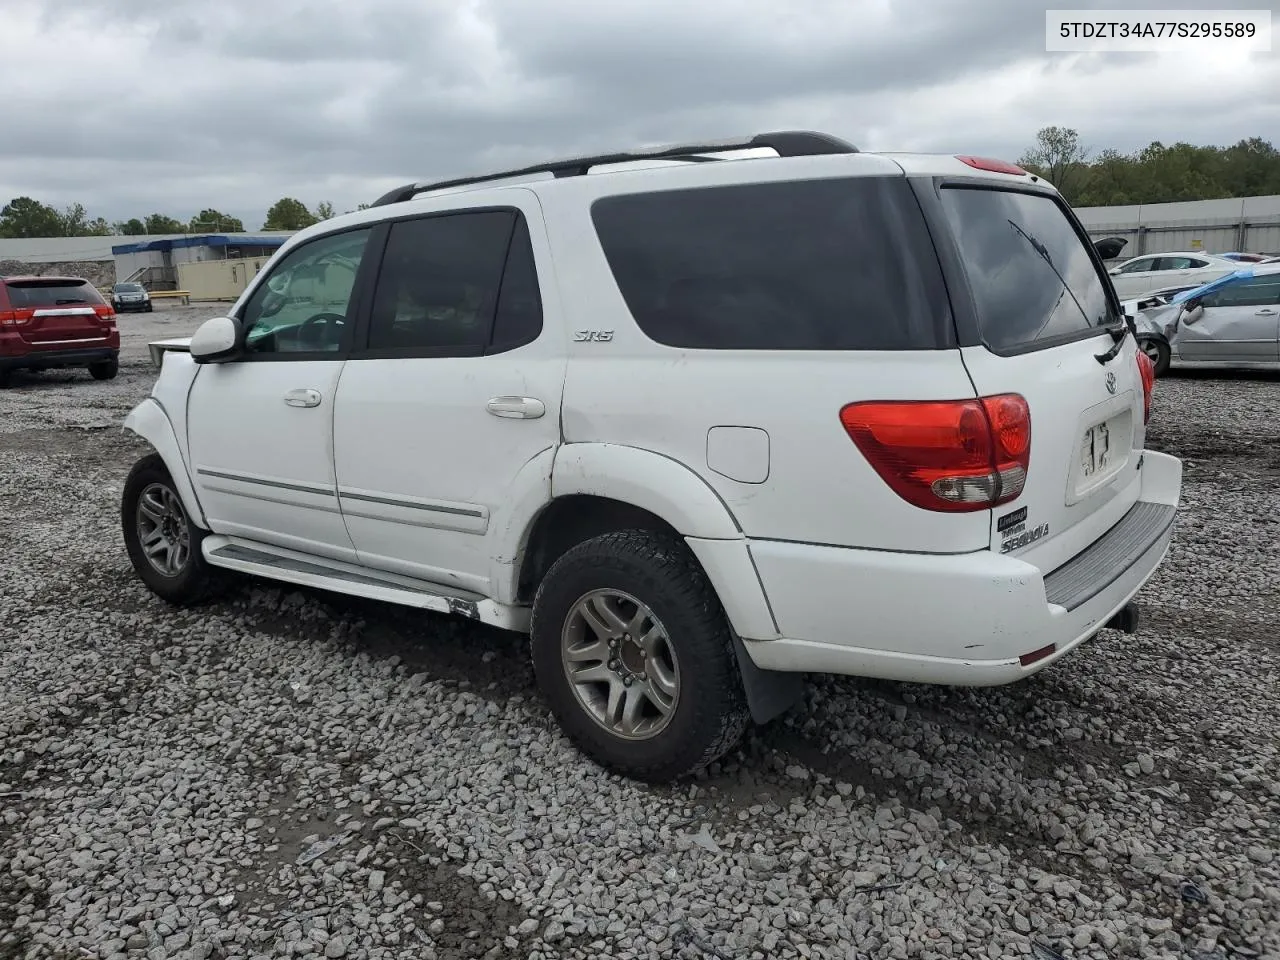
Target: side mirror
{"points": [[216, 340], [1114, 271]]}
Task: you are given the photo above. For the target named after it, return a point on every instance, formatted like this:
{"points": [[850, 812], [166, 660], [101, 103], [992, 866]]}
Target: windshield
{"points": [[128, 288], [1033, 279]]}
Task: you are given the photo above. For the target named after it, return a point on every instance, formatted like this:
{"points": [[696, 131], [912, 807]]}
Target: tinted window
{"points": [[37, 294], [127, 288], [1174, 263], [1032, 276], [439, 282], [303, 304], [812, 265], [1257, 292], [519, 317]]}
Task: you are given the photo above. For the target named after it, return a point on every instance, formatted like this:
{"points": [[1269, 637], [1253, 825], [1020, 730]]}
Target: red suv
{"points": [[56, 322]]}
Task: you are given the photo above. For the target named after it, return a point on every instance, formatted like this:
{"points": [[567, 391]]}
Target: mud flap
{"points": [[770, 693]]}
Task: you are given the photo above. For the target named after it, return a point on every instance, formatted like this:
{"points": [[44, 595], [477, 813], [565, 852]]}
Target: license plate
{"points": [[1095, 450]]}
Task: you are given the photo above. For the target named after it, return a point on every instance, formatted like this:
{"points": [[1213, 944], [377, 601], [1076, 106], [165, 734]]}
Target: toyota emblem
{"points": [[1111, 382]]}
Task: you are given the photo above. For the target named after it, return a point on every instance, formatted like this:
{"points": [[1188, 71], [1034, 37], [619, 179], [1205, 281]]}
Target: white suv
{"points": [[698, 427]]}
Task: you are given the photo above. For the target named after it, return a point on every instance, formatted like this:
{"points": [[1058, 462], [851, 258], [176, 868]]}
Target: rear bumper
{"points": [[963, 619], [43, 359]]}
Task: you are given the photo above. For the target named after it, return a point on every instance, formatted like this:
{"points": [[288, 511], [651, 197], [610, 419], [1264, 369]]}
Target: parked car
{"points": [[130, 296], [1142, 275], [1232, 322], [1109, 247], [48, 322], [698, 428]]}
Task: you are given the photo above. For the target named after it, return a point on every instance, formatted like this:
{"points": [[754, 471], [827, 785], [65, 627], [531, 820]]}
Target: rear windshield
{"points": [[842, 264], [1032, 278], [27, 294]]}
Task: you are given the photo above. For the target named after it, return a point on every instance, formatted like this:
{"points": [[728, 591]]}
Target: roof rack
{"points": [[787, 143]]}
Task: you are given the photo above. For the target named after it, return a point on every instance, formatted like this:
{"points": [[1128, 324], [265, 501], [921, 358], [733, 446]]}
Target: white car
{"points": [[698, 428], [1142, 275]]}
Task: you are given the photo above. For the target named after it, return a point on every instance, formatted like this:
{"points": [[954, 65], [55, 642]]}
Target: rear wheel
{"points": [[162, 542], [4, 377], [1158, 351], [105, 369], [634, 655]]}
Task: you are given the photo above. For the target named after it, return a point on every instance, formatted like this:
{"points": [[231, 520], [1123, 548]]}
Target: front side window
{"points": [[1255, 292], [304, 303], [1139, 266], [439, 284]]}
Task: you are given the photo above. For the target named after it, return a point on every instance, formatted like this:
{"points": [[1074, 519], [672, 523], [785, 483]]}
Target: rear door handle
{"points": [[302, 398], [1266, 313], [516, 408]]}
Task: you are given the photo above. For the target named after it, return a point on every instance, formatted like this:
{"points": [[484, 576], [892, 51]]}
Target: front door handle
{"points": [[1266, 313], [302, 398], [516, 408]]}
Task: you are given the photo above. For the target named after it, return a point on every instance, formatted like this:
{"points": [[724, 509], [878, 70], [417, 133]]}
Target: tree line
{"points": [[1155, 174], [26, 217]]}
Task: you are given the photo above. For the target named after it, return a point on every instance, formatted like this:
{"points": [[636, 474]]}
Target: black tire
{"points": [[4, 377], [1161, 350], [105, 369], [149, 308], [195, 581], [710, 710]]}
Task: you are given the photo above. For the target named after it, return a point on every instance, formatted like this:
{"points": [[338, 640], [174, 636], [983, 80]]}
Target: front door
{"points": [[260, 425], [1237, 323], [451, 412]]}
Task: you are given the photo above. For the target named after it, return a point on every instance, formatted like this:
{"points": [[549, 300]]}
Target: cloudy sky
{"points": [[139, 106]]}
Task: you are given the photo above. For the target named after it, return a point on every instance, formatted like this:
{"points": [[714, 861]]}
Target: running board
{"points": [[275, 563]]}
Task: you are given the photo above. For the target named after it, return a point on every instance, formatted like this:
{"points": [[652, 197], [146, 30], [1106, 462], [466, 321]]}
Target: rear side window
{"points": [[38, 294], [843, 264], [440, 282], [1031, 274]]}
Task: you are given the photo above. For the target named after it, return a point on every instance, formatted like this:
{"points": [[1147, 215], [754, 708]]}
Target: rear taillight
{"points": [[947, 455], [105, 314], [1147, 370], [14, 318]]}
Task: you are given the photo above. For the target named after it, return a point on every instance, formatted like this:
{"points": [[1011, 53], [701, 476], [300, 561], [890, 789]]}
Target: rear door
{"points": [[53, 313], [1025, 277]]}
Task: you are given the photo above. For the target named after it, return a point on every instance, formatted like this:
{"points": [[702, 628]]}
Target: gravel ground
{"points": [[291, 774]]}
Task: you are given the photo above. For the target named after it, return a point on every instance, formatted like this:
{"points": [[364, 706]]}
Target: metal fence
{"points": [[1247, 225]]}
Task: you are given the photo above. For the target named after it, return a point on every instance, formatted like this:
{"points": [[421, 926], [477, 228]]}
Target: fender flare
{"points": [[668, 489], [149, 421], [651, 481]]}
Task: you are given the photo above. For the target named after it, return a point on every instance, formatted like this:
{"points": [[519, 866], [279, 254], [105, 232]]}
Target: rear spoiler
{"points": [[158, 348]]}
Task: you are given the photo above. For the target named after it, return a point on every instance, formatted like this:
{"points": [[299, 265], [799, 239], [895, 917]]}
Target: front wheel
{"points": [[105, 369], [634, 655], [162, 542], [1158, 351]]}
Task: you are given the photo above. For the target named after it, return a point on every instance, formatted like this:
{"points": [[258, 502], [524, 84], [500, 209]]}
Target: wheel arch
{"points": [[600, 488], [149, 421]]}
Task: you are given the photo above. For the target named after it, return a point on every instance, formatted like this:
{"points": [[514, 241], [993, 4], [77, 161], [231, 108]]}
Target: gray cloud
{"points": [[187, 104]]}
